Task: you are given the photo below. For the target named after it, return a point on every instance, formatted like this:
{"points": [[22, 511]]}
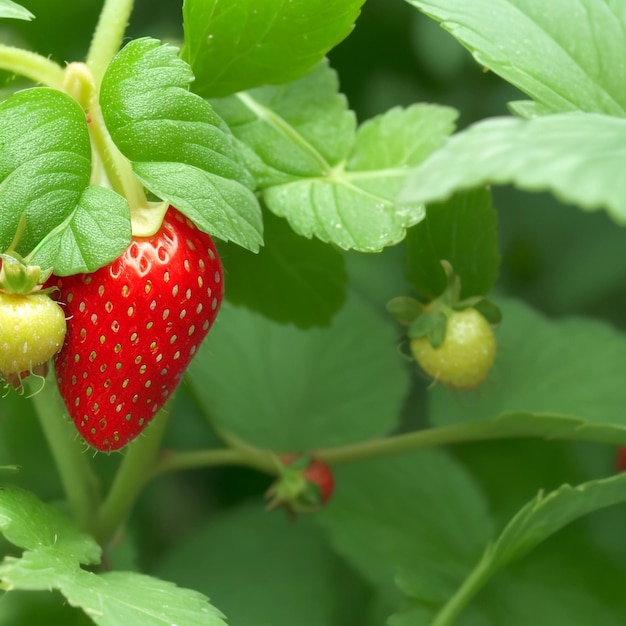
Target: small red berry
{"points": [[134, 327], [305, 484], [620, 464]]}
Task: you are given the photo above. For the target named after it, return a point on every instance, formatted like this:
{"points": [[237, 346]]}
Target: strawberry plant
{"points": [[362, 260]]}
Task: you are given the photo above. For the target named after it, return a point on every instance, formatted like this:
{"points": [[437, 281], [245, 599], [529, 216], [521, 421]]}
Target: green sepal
{"points": [[431, 325], [17, 276], [404, 309], [488, 309]]}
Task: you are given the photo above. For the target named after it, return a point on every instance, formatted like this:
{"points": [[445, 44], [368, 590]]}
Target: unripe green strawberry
{"points": [[466, 355], [32, 329], [32, 326]]}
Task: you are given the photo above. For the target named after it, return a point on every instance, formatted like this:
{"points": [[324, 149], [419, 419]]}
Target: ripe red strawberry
{"points": [[133, 328]]}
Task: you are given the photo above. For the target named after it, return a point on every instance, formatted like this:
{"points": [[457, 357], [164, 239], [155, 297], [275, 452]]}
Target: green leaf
{"points": [[45, 163], [291, 280], [115, 598], [83, 244], [417, 516], [288, 389], [237, 46], [28, 523], [578, 157], [551, 378], [316, 173], [180, 149], [566, 57], [15, 11], [304, 582], [535, 522], [461, 231], [53, 552]]}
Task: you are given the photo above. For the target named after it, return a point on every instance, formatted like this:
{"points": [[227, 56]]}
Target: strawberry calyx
{"points": [[304, 485], [18, 277]]}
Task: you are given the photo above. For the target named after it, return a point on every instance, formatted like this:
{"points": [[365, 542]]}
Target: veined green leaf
{"points": [[315, 172], [305, 389], [45, 166], [53, 552], [237, 46], [82, 243], [579, 157], [566, 56], [179, 147], [8, 8], [537, 521]]}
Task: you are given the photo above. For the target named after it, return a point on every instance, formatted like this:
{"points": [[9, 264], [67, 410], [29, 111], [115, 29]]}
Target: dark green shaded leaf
{"points": [[291, 280], [288, 389], [304, 582], [236, 46], [417, 516], [461, 231]]}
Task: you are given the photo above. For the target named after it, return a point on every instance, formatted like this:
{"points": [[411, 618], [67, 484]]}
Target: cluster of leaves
{"points": [[250, 137]]}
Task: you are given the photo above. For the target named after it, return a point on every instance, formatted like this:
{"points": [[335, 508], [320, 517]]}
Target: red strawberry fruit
{"points": [[133, 328], [305, 484]]}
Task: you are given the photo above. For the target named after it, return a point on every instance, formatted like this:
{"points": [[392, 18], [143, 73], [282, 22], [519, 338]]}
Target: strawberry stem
{"points": [[108, 35], [31, 65], [130, 478], [79, 481]]}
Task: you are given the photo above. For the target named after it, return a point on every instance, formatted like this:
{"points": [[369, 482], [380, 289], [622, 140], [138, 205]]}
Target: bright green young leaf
{"points": [[578, 157], [289, 389], [555, 379], [566, 56], [315, 172], [53, 552], [538, 520], [36, 527], [14, 10], [304, 582], [291, 280], [82, 243], [461, 231], [418, 516], [45, 163], [237, 46], [180, 149], [115, 598]]}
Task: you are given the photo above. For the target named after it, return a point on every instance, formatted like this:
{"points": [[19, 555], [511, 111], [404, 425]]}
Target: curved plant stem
{"points": [[407, 442], [108, 36], [31, 65], [130, 479], [171, 461], [79, 481], [463, 595]]}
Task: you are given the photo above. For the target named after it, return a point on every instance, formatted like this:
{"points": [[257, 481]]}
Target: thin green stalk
{"points": [[407, 442], [463, 595], [108, 36], [79, 481], [31, 65], [171, 461], [131, 476]]}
